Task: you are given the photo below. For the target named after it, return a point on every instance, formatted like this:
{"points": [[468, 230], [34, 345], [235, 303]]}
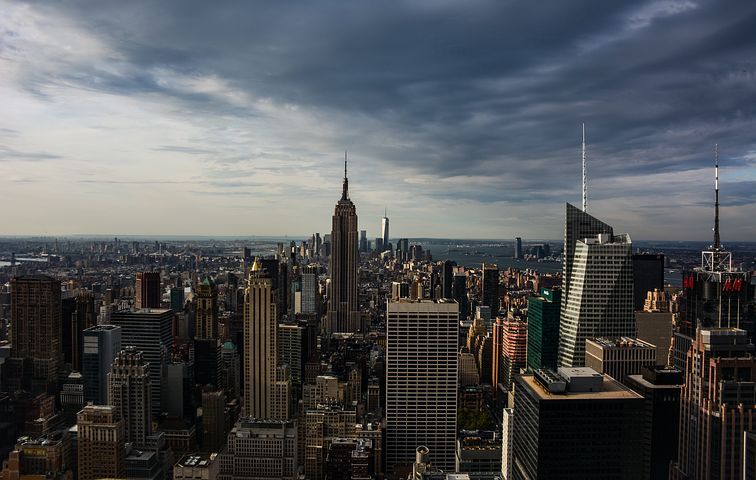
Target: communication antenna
{"points": [[585, 176]]}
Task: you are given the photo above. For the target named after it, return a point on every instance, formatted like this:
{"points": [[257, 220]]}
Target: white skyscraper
{"points": [[421, 381], [507, 430], [385, 231], [599, 297]]}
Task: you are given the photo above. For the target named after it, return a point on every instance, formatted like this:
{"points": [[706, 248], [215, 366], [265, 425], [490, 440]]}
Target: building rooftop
{"points": [[621, 342], [611, 390], [196, 460]]}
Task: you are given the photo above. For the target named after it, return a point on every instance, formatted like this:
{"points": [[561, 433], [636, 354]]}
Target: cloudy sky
{"points": [[462, 118]]}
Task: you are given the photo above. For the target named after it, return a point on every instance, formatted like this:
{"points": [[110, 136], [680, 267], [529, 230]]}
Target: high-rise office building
{"points": [[385, 231], [261, 450], [660, 388], [490, 294], [149, 330], [36, 331], [518, 248], [78, 315], [363, 241], [310, 290], [177, 299], [213, 420], [206, 311], [291, 344], [497, 351], [447, 278], [459, 293], [514, 345], [324, 424], [648, 275], [260, 350], [421, 380], [543, 329], [129, 393], [599, 302], [717, 294], [207, 362], [577, 424], [147, 290], [100, 443], [619, 357], [101, 344], [343, 306], [717, 405]]}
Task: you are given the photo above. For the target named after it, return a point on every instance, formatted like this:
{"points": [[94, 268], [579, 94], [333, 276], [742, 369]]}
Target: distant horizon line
{"points": [[84, 236]]}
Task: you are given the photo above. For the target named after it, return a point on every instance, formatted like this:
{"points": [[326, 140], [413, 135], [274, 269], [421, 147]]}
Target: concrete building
{"points": [[261, 450], [213, 420], [654, 324], [260, 350], [599, 301], [514, 354], [324, 424], [577, 424], [291, 343], [421, 380], [490, 291], [101, 344], [343, 307], [129, 393], [478, 452], [149, 330], [49, 457], [648, 275], [507, 437], [619, 357], [100, 443]]}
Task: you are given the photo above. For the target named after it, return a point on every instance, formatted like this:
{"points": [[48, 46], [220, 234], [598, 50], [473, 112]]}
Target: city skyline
{"points": [[464, 120]]}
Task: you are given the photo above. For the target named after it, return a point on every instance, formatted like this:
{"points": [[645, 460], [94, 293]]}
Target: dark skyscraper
{"points": [[459, 292], [101, 344], [36, 330], [343, 308], [648, 275], [518, 248], [447, 278], [577, 424], [147, 290], [491, 288]]}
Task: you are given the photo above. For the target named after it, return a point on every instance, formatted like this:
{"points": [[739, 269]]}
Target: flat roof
{"points": [[611, 390]]}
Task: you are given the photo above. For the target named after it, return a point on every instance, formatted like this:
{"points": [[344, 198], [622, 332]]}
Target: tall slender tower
{"points": [[385, 230], [343, 309], [260, 355], [206, 318]]}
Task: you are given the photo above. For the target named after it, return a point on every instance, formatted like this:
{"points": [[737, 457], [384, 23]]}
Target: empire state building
{"points": [[343, 309]]}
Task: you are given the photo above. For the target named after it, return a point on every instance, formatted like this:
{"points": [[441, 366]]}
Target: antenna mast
{"points": [[585, 177], [717, 242]]}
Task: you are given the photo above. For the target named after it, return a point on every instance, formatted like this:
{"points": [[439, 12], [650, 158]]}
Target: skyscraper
{"points": [[717, 405], [147, 290], [599, 300], [447, 278], [363, 241], [490, 292], [518, 248], [206, 313], [36, 330], [514, 346], [421, 381], [648, 275], [101, 344], [385, 231], [310, 289], [543, 329], [260, 355], [577, 424], [129, 393], [149, 330], [619, 357], [459, 292], [100, 443], [343, 307], [261, 449]]}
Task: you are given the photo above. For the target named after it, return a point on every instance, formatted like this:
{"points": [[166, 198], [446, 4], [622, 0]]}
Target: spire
{"points": [[257, 266], [585, 177], [345, 190], [717, 242], [384, 212]]}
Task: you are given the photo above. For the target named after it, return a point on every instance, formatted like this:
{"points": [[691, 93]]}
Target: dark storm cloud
{"points": [[487, 89]]}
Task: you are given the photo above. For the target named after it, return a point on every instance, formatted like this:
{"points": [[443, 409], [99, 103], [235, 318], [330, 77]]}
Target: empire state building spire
{"points": [[343, 303], [345, 189]]}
